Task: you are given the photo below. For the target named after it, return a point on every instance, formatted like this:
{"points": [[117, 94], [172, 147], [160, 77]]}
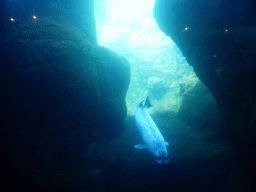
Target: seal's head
{"points": [[161, 157]]}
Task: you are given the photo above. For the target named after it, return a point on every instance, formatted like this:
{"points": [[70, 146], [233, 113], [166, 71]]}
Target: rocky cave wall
{"points": [[218, 39], [60, 91]]}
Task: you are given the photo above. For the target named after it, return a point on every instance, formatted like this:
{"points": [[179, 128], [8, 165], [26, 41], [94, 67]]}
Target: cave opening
{"points": [[158, 69]]}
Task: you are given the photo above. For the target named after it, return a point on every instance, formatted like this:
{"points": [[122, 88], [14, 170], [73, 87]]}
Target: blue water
{"points": [[56, 140]]}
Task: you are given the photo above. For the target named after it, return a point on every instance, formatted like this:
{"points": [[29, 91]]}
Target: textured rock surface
{"points": [[80, 13], [218, 39], [59, 93], [199, 109]]}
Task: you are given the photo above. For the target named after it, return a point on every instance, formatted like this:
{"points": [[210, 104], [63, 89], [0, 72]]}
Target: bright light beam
{"points": [[129, 10]]}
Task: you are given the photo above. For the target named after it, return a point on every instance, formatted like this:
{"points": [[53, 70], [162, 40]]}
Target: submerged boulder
{"points": [[59, 93], [199, 108], [56, 54], [218, 39]]}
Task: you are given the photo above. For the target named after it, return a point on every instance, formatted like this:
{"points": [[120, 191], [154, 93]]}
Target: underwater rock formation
{"points": [[218, 39], [79, 12], [199, 109], [59, 93]]}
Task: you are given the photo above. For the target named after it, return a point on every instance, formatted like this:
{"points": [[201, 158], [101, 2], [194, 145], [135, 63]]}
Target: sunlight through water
{"points": [[157, 65], [128, 11]]}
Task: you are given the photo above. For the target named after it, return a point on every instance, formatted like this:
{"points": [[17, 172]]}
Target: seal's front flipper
{"points": [[140, 146]]}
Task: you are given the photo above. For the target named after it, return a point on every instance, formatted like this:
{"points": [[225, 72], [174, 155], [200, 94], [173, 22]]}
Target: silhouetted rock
{"points": [[59, 93], [218, 39]]}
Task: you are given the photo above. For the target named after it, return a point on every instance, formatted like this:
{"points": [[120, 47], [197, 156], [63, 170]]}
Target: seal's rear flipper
{"points": [[141, 104], [147, 103]]}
